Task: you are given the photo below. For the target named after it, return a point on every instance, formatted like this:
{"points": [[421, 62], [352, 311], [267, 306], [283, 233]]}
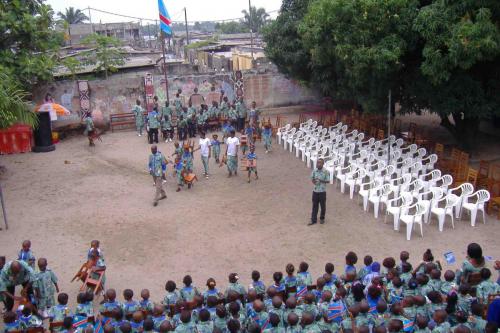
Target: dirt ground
{"points": [[63, 199]]}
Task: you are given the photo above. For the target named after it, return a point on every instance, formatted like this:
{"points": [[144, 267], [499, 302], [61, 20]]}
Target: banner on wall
{"points": [[150, 91], [84, 92]]}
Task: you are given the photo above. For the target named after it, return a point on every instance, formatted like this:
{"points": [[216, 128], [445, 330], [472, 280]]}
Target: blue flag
{"points": [[165, 21]]}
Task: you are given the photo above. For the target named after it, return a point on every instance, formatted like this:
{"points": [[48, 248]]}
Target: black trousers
{"points": [[181, 133], [318, 200], [192, 130], [241, 124], [9, 302], [153, 135]]}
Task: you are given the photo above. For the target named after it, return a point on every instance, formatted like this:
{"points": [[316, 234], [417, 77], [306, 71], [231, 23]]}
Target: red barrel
{"points": [[16, 139]]}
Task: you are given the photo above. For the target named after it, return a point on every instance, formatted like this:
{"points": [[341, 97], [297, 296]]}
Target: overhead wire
{"points": [[175, 16]]}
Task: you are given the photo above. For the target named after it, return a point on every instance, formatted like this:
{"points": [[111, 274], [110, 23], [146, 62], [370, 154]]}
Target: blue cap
{"points": [[375, 267]]}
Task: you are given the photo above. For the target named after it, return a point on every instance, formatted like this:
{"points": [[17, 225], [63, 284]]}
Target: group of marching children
{"points": [[192, 121], [379, 297]]}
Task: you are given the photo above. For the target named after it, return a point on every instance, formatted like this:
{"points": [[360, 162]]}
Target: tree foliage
{"points": [[435, 54], [255, 19], [106, 54], [232, 27], [13, 106], [73, 16], [284, 45], [28, 41], [72, 64]]}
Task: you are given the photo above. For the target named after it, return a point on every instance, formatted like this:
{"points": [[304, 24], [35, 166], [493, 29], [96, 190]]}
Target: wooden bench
{"points": [[122, 119]]}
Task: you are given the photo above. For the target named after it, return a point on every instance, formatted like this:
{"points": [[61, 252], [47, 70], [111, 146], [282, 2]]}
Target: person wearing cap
{"points": [[235, 285], [375, 271]]}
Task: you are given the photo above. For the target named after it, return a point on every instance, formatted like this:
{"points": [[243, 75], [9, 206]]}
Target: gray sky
{"points": [[197, 10]]}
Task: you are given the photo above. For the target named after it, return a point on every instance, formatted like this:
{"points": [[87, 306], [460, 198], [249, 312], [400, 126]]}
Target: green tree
{"points": [[106, 55], [72, 64], [284, 45], [232, 27], [28, 41], [461, 63], [73, 16], [435, 54], [255, 19], [13, 106]]}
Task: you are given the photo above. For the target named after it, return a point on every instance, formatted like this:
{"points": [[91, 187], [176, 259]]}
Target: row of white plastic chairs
{"points": [[407, 183]]}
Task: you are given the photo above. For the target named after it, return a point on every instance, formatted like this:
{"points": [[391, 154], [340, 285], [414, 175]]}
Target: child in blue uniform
{"points": [[266, 135], [215, 143], [26, 254], [252, 163]]}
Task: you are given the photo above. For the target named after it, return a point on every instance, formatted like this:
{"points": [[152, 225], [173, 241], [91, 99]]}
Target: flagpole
{"points": [[164, 63]]}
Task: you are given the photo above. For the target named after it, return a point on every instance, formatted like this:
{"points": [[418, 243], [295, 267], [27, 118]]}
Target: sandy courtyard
{"points": [[63, 199]]}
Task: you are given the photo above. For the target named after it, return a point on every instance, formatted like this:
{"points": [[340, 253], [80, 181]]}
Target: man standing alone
{"points": [[319, 178], [157, 166]]}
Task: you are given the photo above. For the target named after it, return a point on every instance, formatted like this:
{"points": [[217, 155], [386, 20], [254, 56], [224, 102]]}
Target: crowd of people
{"points": [[231, 118], [385, 296]]}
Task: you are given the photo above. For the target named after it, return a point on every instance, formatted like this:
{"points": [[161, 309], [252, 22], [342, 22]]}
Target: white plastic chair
{"points": [[281, 131], [430, 161], [445, 181], [379, 195], [398, 183], [482, 197], [292, 139], [287, 135], [441, 212], [353, 180], [386, 174], [306, 124], [465, 190], [429, 203], [319, 154], [411, 219], [398, 206], [331, 166], [365, 190], [429, 179], [304, 146], [413, 188], [342, 174]]}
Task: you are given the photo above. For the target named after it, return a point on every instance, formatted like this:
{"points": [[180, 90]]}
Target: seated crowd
{"points": [[378, 297]]}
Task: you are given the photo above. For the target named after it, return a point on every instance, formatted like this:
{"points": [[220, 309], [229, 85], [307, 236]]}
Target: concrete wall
{"points": [[119, 92]]}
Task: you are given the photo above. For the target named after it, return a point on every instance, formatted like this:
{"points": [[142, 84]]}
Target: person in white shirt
{"points": [[232, 146], [205, 151]]}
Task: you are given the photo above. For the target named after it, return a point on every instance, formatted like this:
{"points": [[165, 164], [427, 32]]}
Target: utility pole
{"points": [[251, 28], [389, 129], [186, 21], [162, 35], [90, 20], [149, 36]]}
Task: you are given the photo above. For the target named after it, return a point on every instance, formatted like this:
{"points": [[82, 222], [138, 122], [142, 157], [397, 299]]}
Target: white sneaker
{"points": [[170, 140], [267, 151], [139, 134], [164, 181], [166, 140]]}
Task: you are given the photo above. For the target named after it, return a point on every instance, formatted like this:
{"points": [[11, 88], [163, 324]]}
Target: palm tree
{"points": [[14, 107], [73, 16], [256, 19]]}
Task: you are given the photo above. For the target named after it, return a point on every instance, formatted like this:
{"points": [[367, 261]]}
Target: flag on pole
{"points": [[165, 21]]}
